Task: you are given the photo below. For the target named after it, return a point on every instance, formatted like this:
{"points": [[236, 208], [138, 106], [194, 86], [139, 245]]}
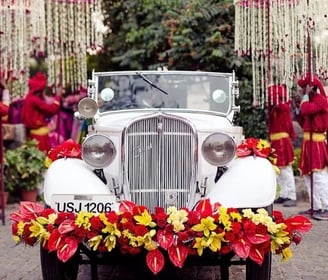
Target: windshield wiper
{"points": [[142, 76]]}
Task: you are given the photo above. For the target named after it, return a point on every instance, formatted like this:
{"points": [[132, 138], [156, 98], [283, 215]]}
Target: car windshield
{"points": [[207, 91]]}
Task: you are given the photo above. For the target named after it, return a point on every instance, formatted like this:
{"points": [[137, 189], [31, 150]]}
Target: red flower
{"points": [[96, 223], [140, 230], [65, 252], [27, 211], [68, 149], [165, 238], [155, 261]]}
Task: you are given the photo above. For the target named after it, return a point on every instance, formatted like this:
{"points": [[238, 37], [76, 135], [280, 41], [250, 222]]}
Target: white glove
{"points": [[5, 97], [305, 98]]}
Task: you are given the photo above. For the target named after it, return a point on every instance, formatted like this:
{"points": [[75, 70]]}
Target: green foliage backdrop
{"points": [[178, 34]]}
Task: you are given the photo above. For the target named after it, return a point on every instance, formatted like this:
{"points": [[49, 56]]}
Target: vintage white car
{"points": [[158, 138]]}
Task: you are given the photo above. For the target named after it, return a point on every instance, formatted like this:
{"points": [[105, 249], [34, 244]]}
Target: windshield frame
{"points": [[161, 92]]}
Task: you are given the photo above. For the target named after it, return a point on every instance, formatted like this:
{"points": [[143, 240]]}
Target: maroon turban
{"points": [[37, 83]]}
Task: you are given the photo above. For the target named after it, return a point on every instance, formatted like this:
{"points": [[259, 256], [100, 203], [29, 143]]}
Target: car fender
{"points": [[249, 182], [71, 176]]}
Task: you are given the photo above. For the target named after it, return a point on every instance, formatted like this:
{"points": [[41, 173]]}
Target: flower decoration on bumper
{"points": [[68, 149], [175, 232], [257, 147]]}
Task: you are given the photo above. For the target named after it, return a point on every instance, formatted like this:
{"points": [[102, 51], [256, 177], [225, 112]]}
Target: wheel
{"points": [[54, 269], [259, 272]]}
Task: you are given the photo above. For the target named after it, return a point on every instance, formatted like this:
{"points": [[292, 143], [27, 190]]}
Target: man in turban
{"points": [[281, 135], [37, 110], [314, 156]]}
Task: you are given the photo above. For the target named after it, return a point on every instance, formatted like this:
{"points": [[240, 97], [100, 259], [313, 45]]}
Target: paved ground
{"points": [[309, 261]]}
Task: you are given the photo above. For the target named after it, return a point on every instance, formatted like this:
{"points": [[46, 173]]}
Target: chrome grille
{"points": [[160, 161]]}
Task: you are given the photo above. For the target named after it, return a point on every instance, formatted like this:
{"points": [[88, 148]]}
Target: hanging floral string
{"points": [[59, 31], [71, 31], [274, 34], [21, 27]]}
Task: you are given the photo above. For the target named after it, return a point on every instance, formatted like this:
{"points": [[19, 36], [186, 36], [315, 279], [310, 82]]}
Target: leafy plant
{"points": [[24, 167]]}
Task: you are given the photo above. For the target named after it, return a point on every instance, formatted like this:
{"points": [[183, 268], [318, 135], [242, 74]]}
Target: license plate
{"points": [[89, 203]]}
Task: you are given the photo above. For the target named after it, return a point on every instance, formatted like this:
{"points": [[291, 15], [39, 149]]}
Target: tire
{"points": [[54, 269]]}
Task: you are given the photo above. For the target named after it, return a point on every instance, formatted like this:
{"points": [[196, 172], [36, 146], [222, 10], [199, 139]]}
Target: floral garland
{"points": [[257, 147], [175, 232], [67, 149]]}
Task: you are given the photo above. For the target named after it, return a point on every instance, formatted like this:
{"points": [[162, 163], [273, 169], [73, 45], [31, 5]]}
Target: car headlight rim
{"points": [[98, 151], [218, 149]]}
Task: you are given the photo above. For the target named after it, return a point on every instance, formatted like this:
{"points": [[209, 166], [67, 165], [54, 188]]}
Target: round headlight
{"points": [[98, 151], [87, 107], [218, 149]]}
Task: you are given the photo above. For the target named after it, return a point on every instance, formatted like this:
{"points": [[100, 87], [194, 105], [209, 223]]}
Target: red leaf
{"points": [[204, 207], [257, 254], [178, 254], [55, 241], [68, 250], [165, 238], [299, 223], [243, 151], [155, 261], [126, 206], [27, 211], [258, 238], [66, 226], [241, 247]]}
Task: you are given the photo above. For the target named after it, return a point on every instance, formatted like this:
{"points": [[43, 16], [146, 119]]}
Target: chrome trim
{"points": [[159, 159]]}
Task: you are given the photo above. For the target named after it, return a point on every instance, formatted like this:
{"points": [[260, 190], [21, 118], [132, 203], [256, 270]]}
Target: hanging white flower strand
{"points": [[70, 25], [22, 31], [274, 34]]}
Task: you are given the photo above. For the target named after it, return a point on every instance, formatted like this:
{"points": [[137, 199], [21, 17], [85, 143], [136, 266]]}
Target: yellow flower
{"points": [[177, 218], [111, 229], [262, 144], [145, 219], [224, 218], [94, 242], [47, 162], [206, 225], [236, 216], [110, 242], [286, 254], [20, 228], [200, 244], [248, 213], [16, 238], [150, 244], [279, 238], [83, 220], [215, 241], [38, 231]]}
